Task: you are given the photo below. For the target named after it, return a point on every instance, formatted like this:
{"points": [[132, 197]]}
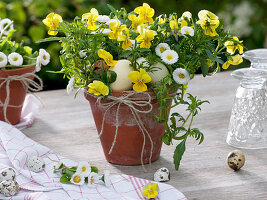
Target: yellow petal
{"points": [[139, 87], [236, 60], [126, 44], [134, 76], [225, 65], [94, 11]]}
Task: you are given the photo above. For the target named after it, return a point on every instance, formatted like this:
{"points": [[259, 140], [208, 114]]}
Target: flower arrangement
{"points": [[140, 52], [16, 55], [81, 174]]}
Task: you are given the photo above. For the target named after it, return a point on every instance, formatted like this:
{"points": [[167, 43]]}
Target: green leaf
{"points": [[94, 169], [204, 68], [178, 154], [65, 180], [165, 139], [48, 39], [112, 9]]}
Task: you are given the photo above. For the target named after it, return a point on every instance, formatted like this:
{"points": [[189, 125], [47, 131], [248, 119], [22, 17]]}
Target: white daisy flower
{"points": [[38, 64], [187, 14], [106, 31], [84, 167], [82, 54], [44, 56], [93, 179], [161, 48], [4, 23], [77, 179], [187, 30], [169, 57], [70, 87], [113, 20], [107, 178], [181, 76], [15, 59], [103, 18], [3, 59]]}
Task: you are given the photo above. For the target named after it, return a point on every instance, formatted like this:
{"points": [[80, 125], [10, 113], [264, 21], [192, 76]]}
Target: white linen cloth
{"points": [[15, 148], [29, 111]]}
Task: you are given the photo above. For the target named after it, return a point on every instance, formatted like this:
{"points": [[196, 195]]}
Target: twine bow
{"points": [[27, 83], [137, 105]]}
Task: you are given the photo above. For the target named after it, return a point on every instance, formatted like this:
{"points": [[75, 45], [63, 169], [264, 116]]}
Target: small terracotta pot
{"points": [[128, 147], [17, 93]]}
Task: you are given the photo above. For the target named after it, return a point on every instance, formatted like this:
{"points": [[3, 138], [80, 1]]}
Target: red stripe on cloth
{"points": [[135, 188]]}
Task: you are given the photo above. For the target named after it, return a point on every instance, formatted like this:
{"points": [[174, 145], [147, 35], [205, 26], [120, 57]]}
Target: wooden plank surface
{"points": [[66, 125]]}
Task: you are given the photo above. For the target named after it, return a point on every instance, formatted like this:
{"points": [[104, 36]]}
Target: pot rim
{"points": [[17, 71]]}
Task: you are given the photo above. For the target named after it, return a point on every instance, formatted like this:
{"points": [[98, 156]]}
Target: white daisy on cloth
{"points": [[14, 145], [186, 30], [3, 59], [70, 88], [84, 168], [15, 59], [6, 25], [161, 48], [44, 56], [93, 179], [77, 179], [107, 178], [181, 76], [169, 57]]}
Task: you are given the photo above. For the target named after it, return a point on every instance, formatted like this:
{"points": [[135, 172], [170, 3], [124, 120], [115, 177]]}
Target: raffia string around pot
{"points": [[137, 105], [27, 82]]}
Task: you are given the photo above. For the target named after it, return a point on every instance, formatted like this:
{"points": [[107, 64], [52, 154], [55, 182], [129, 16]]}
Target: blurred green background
{"points": [[245, 18]]}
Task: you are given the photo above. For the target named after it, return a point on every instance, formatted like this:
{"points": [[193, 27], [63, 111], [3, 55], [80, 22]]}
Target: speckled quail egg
{"points": [[162, 175], [236, 159], [9, 188], [7, 174], [35, 164]]}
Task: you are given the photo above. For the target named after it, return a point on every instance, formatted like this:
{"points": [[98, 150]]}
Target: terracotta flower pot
{"points": [[128, 145], [17, 93]]}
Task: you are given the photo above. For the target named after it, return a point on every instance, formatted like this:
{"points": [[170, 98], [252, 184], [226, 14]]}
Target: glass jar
{"points": [[248, 122]]}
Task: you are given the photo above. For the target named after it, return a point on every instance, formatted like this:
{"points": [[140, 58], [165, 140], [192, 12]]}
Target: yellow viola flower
{"points": [[108, 58], [234, 60], [209, 22], [232, 46], [127, 42], [52, 20], [136, 21], [116, 31], [145, 13], [91, 18], [98, 88], [173, 22], [150, 190], [139, 79], [145, 37]]}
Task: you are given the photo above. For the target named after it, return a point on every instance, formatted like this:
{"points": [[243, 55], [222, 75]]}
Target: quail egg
{"points": [[7, 174], [162, 175], [9, 188], [236, 159], [35, 164]]}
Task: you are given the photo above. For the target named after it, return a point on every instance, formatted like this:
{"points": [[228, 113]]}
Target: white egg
{"points": [[162, 175], [7, 174], [35, 164], [9, 188], [122, 69], [159, 71], [142, 61]]}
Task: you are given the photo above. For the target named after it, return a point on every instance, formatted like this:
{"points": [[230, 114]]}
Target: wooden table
{"points": [[66, 125]]}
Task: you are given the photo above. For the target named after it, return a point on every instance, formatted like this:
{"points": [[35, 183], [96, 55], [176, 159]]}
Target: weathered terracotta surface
{"points": [[129, 142], [17, 93]]}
